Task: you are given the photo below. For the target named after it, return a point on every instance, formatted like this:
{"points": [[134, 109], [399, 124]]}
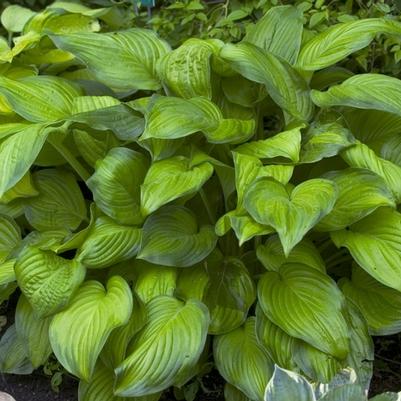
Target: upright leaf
{"points": [[279, 32], [307, 304], [78, 333], [169, 345]]}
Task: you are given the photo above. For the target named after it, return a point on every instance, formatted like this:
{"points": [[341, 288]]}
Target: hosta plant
{"points": [[164, 210]]}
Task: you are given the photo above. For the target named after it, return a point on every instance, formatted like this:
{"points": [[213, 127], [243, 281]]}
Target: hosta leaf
{"points": [[324, 140], [171, 179], [33, 332], [22, 189], [285, 298], [285, 86], [291, 212], [171, 237], [13, 357], [192, 282], [18, 152], [380, 305], [286, 144], [363, 91], [169, 345], [360, 192], [387, 397], [78, 333], [244, 226], [93, 146], [278, 344], [29, 97], [361, 156], [286, 385], [229, 295], [116, 184], [7, 274], [152, 280], [100, 387], [279, 32], [60, 203], [109, 243], [134, 53], [14, 17], [173, 118], [242, 361], [315, 364], [361, 357], [48, 281], [107, 113], [231, 393], [271, 254], [349, 392], [375, 241], [341, 40], [10, 236], [186, 70]]}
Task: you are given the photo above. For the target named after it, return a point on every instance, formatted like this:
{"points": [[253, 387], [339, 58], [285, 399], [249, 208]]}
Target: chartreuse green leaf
{"points": [[171, 237], [341, 40], [278, 344], [324, 140], [375, 241], [13, 356], [286, 145], [363, 91], [292, 213], [14, 17], [29, 97], [279, 32], [18, 152], [348, 392], [271, 254], [152, 280], [242, 361], [10, 236], [115, 349], [287, 385], [107, 113], [100, 387], [173, 118], [285, 298], [231, 393], [33, 332], [186, 71], [170, 179], [379, 304], [170, 344], [48, 281], [78, 333], [134, 53], [116, 184], [229, 294], [360, 192], [192, 282], [283, 83], [22, 189], [60, 203], [7, 273], [109, 243], [361, 156]]}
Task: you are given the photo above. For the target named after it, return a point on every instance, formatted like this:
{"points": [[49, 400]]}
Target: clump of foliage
{"points": [[230, 204]]}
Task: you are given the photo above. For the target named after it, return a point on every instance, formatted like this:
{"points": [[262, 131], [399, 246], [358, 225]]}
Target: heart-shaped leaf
{"points": [[78, 333], [291, 212]]}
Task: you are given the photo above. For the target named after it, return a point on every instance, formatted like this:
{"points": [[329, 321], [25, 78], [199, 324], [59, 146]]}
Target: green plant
{"points": [[160, 206]]}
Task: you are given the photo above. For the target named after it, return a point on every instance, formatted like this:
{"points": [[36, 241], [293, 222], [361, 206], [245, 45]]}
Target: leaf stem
{"points": [[70, 158], [205, 201]]}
